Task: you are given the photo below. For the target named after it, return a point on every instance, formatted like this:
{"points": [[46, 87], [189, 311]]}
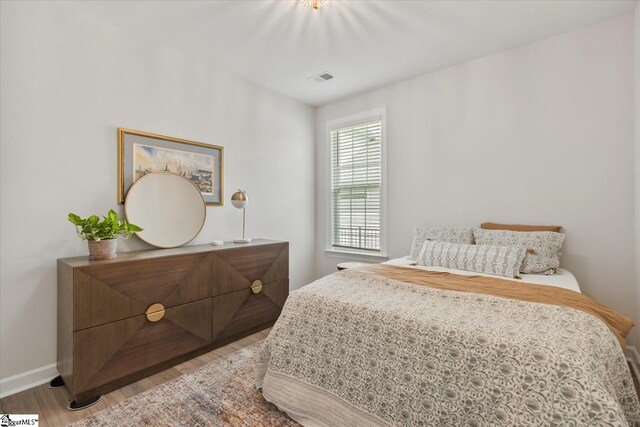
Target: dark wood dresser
{"points": [[123, 319]]}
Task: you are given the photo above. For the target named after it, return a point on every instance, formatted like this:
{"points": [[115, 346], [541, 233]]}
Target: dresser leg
{"points": [[76, 406], [57, 382]]}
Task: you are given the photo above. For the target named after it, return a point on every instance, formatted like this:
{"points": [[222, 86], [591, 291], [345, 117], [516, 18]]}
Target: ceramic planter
{"points": [[102, 249]]}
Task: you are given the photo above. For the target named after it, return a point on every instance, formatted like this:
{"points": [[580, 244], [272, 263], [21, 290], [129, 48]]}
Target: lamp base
{"points": [[241, 240]]}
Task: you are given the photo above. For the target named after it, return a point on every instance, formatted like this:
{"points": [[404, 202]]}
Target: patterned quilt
{"points": [[358, 349]]}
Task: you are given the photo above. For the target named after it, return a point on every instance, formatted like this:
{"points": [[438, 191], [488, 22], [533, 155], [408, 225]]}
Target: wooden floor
{"points": [[51, 404]]}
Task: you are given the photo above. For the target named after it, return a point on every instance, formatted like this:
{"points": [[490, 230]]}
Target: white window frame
{"points": [[355, 253]]}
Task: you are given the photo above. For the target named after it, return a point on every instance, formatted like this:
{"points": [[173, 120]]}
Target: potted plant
{"points": [[102, 236]]}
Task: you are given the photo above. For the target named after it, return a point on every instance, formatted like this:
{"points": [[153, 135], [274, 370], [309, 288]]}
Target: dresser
{"points": [[122, 319]]}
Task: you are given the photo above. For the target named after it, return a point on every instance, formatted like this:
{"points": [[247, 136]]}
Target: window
{"points": [[357, 185]]}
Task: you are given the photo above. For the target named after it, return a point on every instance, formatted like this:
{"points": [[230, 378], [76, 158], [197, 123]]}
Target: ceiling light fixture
{"points": [[315, 4]]}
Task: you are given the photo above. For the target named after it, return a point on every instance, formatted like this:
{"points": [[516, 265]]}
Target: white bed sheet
{"points": [[562, 279]]}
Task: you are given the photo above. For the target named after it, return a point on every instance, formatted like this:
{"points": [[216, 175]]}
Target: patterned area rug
{"points": [[221, 393]]}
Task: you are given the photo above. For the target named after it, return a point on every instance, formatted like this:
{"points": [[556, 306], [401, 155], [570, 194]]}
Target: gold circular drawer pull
{"points": [[155, 312], [256, 286]]}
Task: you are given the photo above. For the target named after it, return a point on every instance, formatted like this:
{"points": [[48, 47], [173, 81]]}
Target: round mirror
{"points": [[168, 207]]}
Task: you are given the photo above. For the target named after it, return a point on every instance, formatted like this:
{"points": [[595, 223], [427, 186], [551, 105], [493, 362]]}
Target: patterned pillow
{"points": [[489, 259], [543, 247], [442, 234]]}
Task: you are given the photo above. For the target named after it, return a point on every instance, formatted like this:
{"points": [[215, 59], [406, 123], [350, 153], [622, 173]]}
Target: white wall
{"points": [[67, 83], [540, 134]]}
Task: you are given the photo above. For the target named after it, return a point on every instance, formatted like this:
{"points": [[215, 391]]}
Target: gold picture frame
{"points": [[202, 164]]}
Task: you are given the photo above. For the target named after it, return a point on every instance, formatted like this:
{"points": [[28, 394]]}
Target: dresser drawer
{"points": [[115, 350], [104, 294], [238, 268], [239, 311]]}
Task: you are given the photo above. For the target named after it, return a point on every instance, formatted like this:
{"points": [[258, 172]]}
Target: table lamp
{"points": [[240, 201]]}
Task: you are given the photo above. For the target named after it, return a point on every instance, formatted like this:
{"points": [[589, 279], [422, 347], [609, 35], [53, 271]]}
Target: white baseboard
{"points": [[632, 355], [27, 380]]}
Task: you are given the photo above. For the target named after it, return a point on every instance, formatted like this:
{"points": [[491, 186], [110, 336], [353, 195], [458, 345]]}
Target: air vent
{"points": [[322, 77]]}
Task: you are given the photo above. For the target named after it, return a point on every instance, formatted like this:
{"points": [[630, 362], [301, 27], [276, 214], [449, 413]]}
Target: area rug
{"points": [[221, 393]]}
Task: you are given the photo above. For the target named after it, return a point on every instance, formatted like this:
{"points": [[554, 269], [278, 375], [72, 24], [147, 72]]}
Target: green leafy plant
{"points": [[111, 227]]}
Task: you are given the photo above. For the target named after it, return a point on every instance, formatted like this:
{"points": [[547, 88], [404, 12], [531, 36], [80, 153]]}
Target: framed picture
{"points": [[140, 153]]}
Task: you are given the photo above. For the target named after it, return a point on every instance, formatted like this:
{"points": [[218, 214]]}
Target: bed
{"points": [[397, 344]]}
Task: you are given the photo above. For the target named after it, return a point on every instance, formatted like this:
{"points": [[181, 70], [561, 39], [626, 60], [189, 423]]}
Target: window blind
{"points": [[356, 178]]}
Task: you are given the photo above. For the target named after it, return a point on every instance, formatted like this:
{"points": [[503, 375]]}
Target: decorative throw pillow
{"points": [[441, 234], [489, 259], [519, 227], [543, 247]]}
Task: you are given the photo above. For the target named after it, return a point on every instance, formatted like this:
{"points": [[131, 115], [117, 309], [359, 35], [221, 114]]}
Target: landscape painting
{"points": [[196, 167], [141, 153]]}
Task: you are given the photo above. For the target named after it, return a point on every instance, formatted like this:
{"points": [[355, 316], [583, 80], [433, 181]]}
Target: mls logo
{"points": [[12, 420]]}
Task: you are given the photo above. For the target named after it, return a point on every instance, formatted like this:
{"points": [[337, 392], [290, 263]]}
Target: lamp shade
{"points": [[240, 199]]}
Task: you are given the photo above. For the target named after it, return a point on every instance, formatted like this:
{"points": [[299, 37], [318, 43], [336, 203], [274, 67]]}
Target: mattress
{"points": [[563, 279]]}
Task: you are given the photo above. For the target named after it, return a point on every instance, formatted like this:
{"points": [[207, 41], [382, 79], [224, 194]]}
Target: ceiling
{"points": [[279, 44]]}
